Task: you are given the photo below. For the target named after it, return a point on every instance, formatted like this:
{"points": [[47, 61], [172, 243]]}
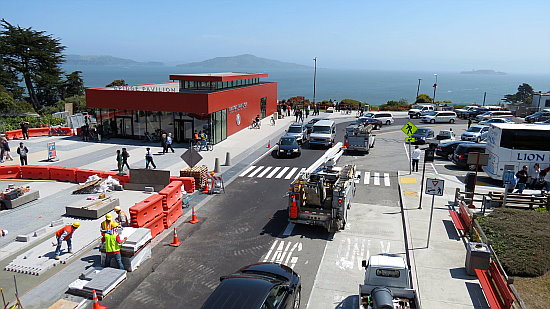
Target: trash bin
{"points": [[477, 257], [469, 184]]}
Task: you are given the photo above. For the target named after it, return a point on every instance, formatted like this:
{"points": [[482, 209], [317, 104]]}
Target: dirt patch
{"points": [[535, 292]]}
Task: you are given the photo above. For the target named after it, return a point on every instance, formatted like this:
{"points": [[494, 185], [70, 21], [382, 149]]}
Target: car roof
{"points": [[239, 292], [468, 145], [296, 125], [324, 123]]}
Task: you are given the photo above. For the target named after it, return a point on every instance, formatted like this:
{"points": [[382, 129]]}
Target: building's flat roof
{"points": [[522, 126], [159, 87], [217, 77]]}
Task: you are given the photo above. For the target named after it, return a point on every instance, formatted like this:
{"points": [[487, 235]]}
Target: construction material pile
{"points": [[15, 196], [96, 184], [198, 172], [102, 280], [135, 250]]}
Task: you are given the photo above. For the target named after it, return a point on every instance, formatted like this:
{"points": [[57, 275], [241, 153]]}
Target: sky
{"points": [[443, 35]]}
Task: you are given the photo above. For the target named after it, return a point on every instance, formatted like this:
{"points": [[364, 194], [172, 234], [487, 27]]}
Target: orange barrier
{"points": [[15, 134], [83, 174], [10, 171], [156, 226], [63, 173], [172, 214], [171, 194], [121, 178], [35, 172], [146, 211], [34, 132], [188, 183]]}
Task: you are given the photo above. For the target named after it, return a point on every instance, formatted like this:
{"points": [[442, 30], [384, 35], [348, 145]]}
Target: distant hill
{"points": [[243, 62], [483, 72], [103, 60]]}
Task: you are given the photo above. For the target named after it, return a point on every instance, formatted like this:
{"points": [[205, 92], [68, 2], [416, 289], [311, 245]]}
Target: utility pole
{"points": [[484, 96], [314, 78], [417, 89], [435, 87]]}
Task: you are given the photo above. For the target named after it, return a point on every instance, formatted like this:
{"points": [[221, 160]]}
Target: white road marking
{"points": [[283, 171], [279, 252], [376, 179], [247, 170], [275, 169], [255, 171], [384, 250], [367, 178], [407, 152], [298, 246], [289, 228], [264, 172], [292, 171], [386, 179], [269, 252], [357, 175], [435, 170]]}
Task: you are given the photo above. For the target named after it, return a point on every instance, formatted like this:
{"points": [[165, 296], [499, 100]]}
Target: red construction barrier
{"points": [[15, 134], [33, 132], [171, 215], [146, 210], [35, 172], [121, 178], [188, 183], [10, 171], [156, 226], [63, 173], [83, 174], [171, 193]]}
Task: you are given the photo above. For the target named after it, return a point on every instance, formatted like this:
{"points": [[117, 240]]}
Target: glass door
{"points": [[263, 103], [124, 126]]}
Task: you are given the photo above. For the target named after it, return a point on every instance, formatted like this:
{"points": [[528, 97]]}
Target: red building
{"points": [[220, 103]]}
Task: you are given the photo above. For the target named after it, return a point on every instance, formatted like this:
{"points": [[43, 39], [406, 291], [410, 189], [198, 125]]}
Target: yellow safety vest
{"points": [[111, 245]]}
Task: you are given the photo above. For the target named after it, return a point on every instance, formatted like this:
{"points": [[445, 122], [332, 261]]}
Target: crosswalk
{"points": [[288, 172]]}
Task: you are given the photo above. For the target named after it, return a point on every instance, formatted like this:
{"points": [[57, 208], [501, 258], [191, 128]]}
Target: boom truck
{"points": [[322, 194]]}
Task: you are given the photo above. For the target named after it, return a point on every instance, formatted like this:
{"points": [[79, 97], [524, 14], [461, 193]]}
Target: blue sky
{"points": [[510, 36]]}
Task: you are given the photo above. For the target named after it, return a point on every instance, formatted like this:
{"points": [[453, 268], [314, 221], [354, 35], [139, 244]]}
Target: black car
{"points": [[538, 116], [309, 125], [376, 123], [447, 150], [288, 147], [460, 157], [257, 286], [421, 135]]}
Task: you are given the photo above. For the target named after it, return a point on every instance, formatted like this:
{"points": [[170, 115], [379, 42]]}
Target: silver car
{"points": [[298, 131], [475, 133]]}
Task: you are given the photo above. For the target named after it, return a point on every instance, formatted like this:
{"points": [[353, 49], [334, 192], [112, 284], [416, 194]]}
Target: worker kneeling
{"points": [[65, 234], [121, 217], [112, 242]]}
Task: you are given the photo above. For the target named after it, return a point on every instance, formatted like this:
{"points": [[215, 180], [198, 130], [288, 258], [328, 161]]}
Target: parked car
{"points": [[493, 114], [463, 112], [439, 116], [385, 117], [460, 156], [444, 136], [376, 123], [288, 147], [323, 133], [472, 113], [299, 131], [257, 286], [447, 150], [419, 110], [330, 110], [310, 124], [496, 120], [543, 122], [422, 134], [538, 117], [475, 133]]}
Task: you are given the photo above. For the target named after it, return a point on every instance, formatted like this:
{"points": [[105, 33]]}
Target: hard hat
{"points": [[108, 216], [117, 208], [76, 224]]}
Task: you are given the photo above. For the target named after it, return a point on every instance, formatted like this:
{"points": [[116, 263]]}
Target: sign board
{"points": [[191, 157], [429, 155], [409, 128], [435, 186], [508, 177], [473, 158], [410, 140], [52, 153]]}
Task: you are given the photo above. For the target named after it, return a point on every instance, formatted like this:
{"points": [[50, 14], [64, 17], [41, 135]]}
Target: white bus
{"points": [[515, 145]]}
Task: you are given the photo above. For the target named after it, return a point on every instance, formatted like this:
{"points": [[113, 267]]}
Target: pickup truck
{"points": [[444, 136], [388, 284]]}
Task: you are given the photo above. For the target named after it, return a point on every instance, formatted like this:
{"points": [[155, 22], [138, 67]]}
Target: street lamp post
{"points": [[435, 87], [417, 89], [314, 78]]}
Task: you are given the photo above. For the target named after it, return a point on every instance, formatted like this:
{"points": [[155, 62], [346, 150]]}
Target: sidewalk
{"points": [[441, 278]]}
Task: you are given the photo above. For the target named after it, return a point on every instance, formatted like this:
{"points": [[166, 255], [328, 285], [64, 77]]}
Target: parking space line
{"points": [[367, 178], [386, 179], [256, 171], [435, 170], [275, 169], [283, 171], [376, 179], [247, 170]]}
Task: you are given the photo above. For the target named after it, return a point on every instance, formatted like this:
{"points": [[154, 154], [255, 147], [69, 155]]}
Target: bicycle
{"points": [[272, 121], [255, 125]]}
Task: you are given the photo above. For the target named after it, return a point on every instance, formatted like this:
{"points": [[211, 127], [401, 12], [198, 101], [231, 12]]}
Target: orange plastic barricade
{"points": [[171, 193], [121, 178], [146, 211], [39, 132], [188, 183], [83, 174], [63, 173], [10, 171], [15, 134], [172, 214], [156, 226], [35, 172]]}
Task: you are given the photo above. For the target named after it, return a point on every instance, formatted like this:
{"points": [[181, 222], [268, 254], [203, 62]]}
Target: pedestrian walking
{"points": [[125, 156], [545, 175], [163, 143], [119, 161], [307, 111], [2, 150], [196, 138], [203, 140], [415, 156], [149, 158], [22, 151], [108, 225], [169, 141], [522, 176], [121, 217], [25, 129], [469, 122], [534, 176], [301, 115], [288, 107], [112, 247], [65, 234], [296, 114]]}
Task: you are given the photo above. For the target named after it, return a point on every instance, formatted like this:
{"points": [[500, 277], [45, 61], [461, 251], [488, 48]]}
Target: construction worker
{"points": [[108, 225], [112, 244], [121, 217], [3, 233], [65, 234]]}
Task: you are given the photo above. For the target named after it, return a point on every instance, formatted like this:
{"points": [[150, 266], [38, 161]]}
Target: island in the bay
{"points": [[483, 72]]}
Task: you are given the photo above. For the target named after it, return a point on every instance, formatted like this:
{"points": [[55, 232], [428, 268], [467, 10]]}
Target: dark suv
{"points": [[460, 157], [538, 116]]}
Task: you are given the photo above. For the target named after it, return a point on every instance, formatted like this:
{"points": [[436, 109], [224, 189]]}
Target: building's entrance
{"points": [[125, 126], [183, 130], [263, 103]]}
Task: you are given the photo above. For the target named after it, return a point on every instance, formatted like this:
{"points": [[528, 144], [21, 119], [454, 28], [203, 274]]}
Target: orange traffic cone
{"points": [[268, 144], [176, 242], [206, 189], [96, 302], [194, 217]]}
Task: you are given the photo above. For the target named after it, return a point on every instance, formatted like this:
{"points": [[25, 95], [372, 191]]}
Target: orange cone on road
{"points": [[194, 217], [96, 302], [268, 144], [176, 242], [206, 189]]}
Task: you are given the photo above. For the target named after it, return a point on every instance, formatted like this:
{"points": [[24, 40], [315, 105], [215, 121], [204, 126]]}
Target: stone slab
{"points": [[106, 280], [23, 238], [56, 222], [30, 196], [147, 176], [95, 209]]}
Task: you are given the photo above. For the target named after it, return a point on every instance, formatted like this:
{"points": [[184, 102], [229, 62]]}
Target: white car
{"points": [[496, 120], [330, 110], [439, 116], [385, 117]]}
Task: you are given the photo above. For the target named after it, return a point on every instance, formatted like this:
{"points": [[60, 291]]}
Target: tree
{"points": [[36, 57], [117, 82], [73, 85], [423, 98], [10, 82], [524, 95], [401, 105]]}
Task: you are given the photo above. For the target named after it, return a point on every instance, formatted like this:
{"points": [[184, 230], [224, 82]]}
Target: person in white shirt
{"points": [[149, 159], [415, 158]]}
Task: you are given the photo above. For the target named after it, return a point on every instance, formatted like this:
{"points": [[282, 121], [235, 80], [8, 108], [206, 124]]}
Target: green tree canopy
{"points": [[73, 85], [401, 105], [117, 82], [524, 95], [34, 56], [423, 98]]}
